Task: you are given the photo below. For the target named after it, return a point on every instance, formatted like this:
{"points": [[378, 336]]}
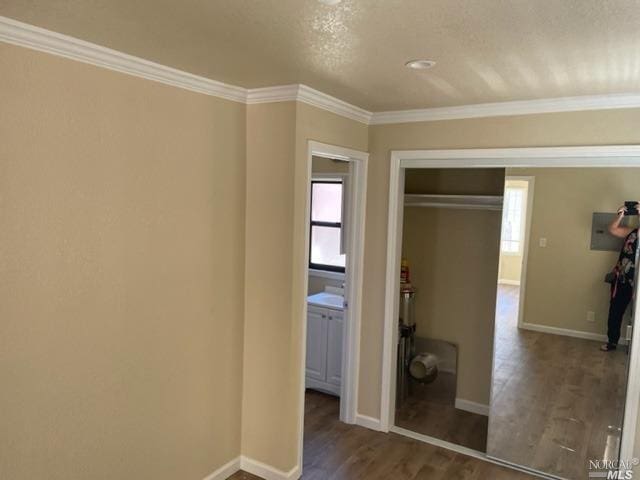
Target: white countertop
{"points": [[326, 300]]}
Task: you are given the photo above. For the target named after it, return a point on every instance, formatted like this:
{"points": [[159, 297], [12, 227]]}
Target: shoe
{"points": [[607, 347]]}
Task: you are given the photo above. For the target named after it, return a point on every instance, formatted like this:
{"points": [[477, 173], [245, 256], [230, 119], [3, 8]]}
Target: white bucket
{"points": [[424, 367]]}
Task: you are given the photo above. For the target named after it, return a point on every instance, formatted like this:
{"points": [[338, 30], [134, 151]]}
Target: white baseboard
{"points": [[267, 471], [600, 337], [368, 422], [473, 407], [505, 281], [564, 331], [225, 471]]}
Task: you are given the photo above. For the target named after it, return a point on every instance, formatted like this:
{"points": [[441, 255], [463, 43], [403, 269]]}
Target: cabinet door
{"points": [[335, 326], [316, 366]]}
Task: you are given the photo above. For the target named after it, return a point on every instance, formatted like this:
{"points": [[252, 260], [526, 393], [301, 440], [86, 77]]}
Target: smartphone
{"points": [[632, 207]]}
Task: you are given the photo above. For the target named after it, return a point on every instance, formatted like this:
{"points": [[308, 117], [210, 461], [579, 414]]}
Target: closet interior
{"points": [[451, 231]]}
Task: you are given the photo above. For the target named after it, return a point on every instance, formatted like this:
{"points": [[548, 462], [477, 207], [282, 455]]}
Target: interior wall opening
{"points": [[560, 392], [335, 241]]}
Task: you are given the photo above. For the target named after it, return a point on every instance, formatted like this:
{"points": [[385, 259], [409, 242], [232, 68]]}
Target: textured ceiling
{"points": [[486, 50]]}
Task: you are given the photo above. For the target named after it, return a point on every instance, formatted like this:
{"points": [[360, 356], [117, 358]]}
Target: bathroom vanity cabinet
{"points": [[324, 349]]}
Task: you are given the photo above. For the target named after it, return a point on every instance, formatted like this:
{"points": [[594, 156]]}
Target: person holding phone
{"points": [[623, 274]]}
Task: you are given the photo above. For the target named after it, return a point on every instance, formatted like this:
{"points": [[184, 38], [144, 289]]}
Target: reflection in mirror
{"points": [[451, 230], [558, 390]]}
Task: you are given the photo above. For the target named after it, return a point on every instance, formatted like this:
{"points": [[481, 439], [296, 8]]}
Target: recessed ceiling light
{"points": [[420, 64], [330, 2]]}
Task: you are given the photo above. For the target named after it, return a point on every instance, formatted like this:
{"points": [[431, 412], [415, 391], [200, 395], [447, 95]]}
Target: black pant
{"points": [[617, 307]]}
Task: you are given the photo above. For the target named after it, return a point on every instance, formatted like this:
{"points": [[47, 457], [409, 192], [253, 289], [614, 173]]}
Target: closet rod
{"points": [[467, 202]]}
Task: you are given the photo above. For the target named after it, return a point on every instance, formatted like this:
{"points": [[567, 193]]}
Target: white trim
{"points": [[368, 422], [438, 442], [473, 407], [225, 471], [30, 36], [318, 99], [506, 281], [602, 156], [310, 96], [599, 337], [354, 280], [267, 472], [36, 38], [519, 107], [562, 157], [531, 185], [281, 93], [326, 274], [392, 287], [632, 402]]}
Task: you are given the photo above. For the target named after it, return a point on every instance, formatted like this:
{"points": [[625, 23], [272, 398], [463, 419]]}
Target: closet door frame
{"points": [[582, 156]]}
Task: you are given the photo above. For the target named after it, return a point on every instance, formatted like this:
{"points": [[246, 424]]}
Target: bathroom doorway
{"points": [[334, 248]]}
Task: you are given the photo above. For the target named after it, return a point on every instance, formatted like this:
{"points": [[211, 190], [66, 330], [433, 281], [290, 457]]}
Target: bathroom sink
{"points": [[326, 300]]}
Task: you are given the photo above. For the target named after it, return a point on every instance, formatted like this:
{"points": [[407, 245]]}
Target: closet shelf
{"points": [[466, 202]]}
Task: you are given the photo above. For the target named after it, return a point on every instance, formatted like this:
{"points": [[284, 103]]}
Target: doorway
{"points": [[514, 248], [556, 159], [334, 249]]}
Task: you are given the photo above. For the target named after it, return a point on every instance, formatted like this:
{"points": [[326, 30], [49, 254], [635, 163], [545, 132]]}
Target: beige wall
{"points": [[277, 139], [268, 371], [558, 129], [328, 165], [123, 218], [317, 283], [453, 259], [510, 268], [564, 280], [122, 253]]}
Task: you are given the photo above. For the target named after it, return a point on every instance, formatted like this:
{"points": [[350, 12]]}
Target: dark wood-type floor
{"points": [[336, 451], [430, 410], [554, 400], [557, 401]]}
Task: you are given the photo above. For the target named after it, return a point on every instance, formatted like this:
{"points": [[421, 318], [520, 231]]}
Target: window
{"points": [[512, 220], [326, 252]]}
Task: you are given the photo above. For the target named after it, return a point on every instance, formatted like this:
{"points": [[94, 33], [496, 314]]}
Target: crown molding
{"points": [[310, 96], [281, 93], [321, 100], [25, 35], [36, 38], [521, 107], [29, 36]]}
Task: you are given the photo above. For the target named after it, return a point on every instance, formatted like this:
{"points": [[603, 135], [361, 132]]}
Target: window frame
{"points": [[317, 223]]}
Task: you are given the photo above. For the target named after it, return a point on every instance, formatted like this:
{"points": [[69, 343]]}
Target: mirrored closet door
{"points": [[558, 390], [451, 231]]}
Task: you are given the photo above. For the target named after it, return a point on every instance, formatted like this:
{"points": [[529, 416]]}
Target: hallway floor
{"points": [[566, 386], [336, 451], [557, 400]]}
